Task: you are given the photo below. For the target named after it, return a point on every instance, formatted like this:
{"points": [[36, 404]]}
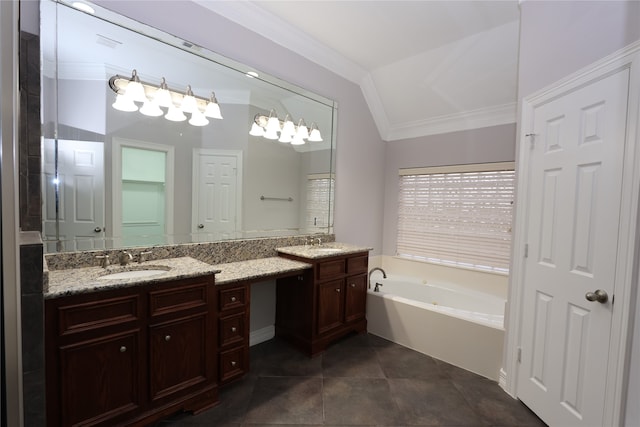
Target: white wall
{"points": [[558, 38], [360, 150]]}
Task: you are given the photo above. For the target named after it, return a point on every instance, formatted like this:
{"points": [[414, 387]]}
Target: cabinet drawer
{"points": [[231, 329], [233, 297], [177, 298], [330, 269], [97, 314], [357, 264], [233, 364]]}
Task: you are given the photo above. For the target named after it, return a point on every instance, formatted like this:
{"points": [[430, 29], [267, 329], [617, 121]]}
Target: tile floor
{"points": [[362, 380]]}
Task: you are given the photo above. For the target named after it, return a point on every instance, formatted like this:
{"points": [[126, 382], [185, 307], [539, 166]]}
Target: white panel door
{"points": [[216, 179], [80, 195], [572, 234]]}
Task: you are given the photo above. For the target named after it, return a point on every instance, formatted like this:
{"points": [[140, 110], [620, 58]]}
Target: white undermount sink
{"points": [[135, 274]]}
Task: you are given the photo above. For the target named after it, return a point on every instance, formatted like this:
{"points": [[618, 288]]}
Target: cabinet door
{"points": [[330, 305], [99, 378], [355, 298], [178, 355]]}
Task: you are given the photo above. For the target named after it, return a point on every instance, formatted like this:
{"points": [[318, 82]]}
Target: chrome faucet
{"points": [[124, 258], [104, 260], [384, 276]]}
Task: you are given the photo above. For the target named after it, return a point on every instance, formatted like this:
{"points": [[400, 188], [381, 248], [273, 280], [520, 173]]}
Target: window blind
{"points": [[319, 201], [460, 218]]}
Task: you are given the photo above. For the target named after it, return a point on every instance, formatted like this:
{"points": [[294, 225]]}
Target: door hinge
{"points": [[526, 250], [519, 357]]}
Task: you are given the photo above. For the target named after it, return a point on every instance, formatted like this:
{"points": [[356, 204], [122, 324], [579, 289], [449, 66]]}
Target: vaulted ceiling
{"points": [[424, 67]]}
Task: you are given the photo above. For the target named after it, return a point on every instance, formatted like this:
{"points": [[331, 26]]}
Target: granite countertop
{"points": [[87, 279], [322, 251], [256, 269]]}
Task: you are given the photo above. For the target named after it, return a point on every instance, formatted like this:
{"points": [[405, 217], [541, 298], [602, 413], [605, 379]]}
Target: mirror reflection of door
{"points": [[217, 194], [142, 192], [318, 203], [73, 206]]}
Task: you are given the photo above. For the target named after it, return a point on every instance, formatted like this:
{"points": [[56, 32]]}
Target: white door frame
{"points": [[116, 180], [627, 262], [195, 183]]}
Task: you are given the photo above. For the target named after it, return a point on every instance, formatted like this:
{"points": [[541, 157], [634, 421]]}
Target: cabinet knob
{"points": [[233, 299], [233, 329], [167, 337], [353, 285], [233, 363], [338, 290], [123, 349]]}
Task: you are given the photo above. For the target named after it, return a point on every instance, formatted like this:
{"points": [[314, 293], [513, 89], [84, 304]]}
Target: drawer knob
{"points": [[353, 285], [123, 349], [167, 337], [338, 290], [233, 329], [233, 363], [233, 299]]}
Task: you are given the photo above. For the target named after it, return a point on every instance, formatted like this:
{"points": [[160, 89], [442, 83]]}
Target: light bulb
{"points": [[189, 103], [198, 119], [175, 114], [124, 103], [213, 108]]}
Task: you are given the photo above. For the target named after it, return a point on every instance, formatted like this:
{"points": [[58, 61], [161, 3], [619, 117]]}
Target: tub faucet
{"points": [[377, 288], [384, 275]]}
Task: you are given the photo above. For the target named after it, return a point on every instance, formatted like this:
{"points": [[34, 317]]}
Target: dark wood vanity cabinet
{"points": [[323, 305], [133, 355], [233, 331]]}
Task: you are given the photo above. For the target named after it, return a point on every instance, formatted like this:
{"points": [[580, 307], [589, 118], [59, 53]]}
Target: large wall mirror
{"points": [[114, 178]]}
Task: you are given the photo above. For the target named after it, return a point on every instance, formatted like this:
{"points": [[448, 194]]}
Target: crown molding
{"points": [[376, 107], [484, 117], [272, 27]]}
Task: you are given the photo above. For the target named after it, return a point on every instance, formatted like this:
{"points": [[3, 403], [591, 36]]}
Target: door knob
{"points": [[200, 225], [599, 295], [97, 230]]}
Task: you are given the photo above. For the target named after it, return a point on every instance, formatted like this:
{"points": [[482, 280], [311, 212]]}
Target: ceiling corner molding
{"points": [[262, 22], [376, 107], [484, 117]]}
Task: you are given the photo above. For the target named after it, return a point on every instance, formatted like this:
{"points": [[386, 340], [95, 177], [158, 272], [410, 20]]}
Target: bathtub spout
{"points": [[377, 287], [384, 275]]}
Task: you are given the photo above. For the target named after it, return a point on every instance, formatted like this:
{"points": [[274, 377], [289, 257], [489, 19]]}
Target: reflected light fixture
{"points": [[269, 126], [130, 91]]}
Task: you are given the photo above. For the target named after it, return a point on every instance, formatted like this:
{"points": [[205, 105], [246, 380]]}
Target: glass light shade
{"points": [[175, 114], [256, 130], [273, 125], [297, 140], [315, 135], [124, 103], [288, 128], [285, 137], [150, 108], [271, 134], [189, 103], [163, 96], [135, 90], [198, 119], [213, 110], [302, 132]]}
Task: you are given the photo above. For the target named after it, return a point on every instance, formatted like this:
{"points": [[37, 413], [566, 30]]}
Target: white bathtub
{"points": [[448, 322]]}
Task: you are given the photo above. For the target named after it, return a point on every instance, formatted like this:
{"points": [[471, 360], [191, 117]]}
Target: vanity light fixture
{"points": [[85, 7], [269, 126], [130, 91]]}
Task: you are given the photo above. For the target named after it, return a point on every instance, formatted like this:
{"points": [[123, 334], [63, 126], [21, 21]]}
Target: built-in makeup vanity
{"points": [[134, 343]]}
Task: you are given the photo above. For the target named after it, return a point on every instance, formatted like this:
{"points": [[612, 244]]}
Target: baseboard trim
{"points": [[262, 335]]}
